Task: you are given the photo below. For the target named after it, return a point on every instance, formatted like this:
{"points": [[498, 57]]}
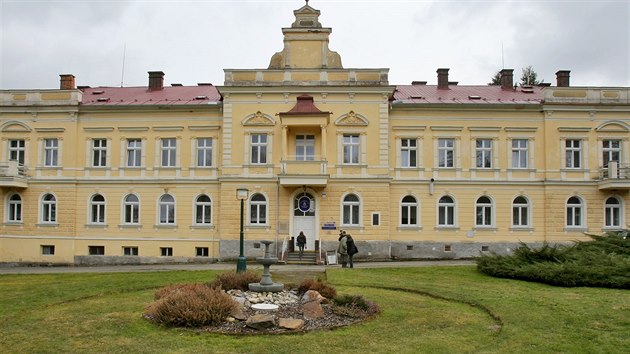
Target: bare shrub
{"points": [[190, 305], [355, 306], [318, 285], [233, 280]]}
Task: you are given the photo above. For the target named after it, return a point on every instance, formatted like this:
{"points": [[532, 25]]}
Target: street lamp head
{"points": [[242, 193]]}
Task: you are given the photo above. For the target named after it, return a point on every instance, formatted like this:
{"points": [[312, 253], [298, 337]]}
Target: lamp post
{"points": [[241, 263]]}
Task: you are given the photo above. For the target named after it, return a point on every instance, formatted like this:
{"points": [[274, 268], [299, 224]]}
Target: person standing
{"points": [[352, 249], [342, 249], [301, 242]]}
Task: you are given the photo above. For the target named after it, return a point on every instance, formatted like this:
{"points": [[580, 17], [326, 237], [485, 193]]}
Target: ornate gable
{"points": [[258, 119], [352, 119]]}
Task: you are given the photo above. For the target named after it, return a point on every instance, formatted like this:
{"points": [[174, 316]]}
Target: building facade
{"points": [[95, 175]]}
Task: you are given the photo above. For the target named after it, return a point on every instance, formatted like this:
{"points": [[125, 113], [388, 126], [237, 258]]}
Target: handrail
{"points": [[13, 169], [615, 170]]}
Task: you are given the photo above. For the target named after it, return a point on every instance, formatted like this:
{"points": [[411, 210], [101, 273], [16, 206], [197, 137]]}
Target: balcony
{"points": [[13, 174], [615, 176], [297, 172]]}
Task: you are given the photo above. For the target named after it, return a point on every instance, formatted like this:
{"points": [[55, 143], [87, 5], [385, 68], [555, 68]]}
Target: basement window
{"points": [[96, 250], [130, 251], [166, 251], [201, 251], [409, 247], [485, 248], [447, 248], [48, 250]]}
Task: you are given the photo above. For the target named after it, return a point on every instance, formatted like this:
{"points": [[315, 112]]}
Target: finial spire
{"points": [[306, 2]]}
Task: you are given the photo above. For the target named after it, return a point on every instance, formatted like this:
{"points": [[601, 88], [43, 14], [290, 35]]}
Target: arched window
{"points": [[15, 208], [304, 205], [409, 211], [131, 209], [446, 211], [167, 209], [612, 213], [203, 210], [97, 209], [258, 209], [483, 211], [49, 208], [520, 212], [575, 214], [351, 210]]}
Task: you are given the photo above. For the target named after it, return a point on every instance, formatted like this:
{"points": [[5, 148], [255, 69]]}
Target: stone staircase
{"points": [[309, 257]]}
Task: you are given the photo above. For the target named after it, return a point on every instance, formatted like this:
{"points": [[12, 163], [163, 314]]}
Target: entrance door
{"points": [[304, 218]]}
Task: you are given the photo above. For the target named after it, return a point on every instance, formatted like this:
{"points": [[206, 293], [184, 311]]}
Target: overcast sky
{"points": [[192, 41]]}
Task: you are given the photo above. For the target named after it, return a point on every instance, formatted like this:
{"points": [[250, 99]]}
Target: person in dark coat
{"points": [[301, 242], [342, 249], [352, 249]]}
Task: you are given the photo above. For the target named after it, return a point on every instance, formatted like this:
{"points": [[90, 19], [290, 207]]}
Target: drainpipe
{"points": [[277, 213]]}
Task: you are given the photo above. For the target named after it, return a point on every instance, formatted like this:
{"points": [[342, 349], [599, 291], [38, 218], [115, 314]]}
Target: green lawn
{"points": [[432, 310]]}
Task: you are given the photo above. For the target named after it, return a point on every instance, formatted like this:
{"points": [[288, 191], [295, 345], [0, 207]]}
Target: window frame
{"points": [[518, 152], [351, 209], [411, 209], [134, 152], [483, 153], [168, 152], [166, 251], [351, 146], [608, 152], [205, 252], [14, 208], [609, 210], [48, 213], [204, 149], [47, 250], [485, 210], [258, 209], [305, 147], [444, 151], [444, 210], [575, 220], [51, 152], [97, 210], [131, 209], [573, 153], [259, 147], [167, 209], [99, 152], [18, 152], [408, 152], [206, 210], [133, 251], [521, 208]]}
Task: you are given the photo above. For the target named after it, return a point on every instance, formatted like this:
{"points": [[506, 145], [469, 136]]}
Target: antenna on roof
{"points": [[122, 75], [502, 58]]}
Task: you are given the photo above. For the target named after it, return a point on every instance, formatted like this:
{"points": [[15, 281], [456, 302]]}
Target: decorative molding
{"points": [[446, 129], [133, 129], [50, 130], [613, 126], [168, 129], [352, 119], [521, 129], [98, 129], [257, 119], [14, 126], [410, 127], [203, 127], [484, 129], [574, 129]]}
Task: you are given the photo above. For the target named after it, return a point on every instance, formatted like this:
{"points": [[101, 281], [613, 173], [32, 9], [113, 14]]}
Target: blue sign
{"points": [[329, 226], [304, 204]]}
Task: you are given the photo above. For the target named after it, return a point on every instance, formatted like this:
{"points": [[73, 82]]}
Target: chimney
{"points": [[562, 78], [442, 78], [507, 79], [156, 80], [66, 82]]}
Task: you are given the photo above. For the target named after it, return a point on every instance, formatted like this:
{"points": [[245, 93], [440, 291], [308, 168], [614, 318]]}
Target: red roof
{"points": [[175, 95], [304, 106], [468, 94]]}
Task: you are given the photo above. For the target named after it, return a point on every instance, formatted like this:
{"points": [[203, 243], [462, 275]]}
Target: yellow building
{"points": [[98, 175]]}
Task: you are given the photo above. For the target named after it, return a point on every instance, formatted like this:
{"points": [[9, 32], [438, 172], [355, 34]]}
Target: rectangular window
{"points": [[305, 147], [484, 153], [573, 150], [166, 251], [130, 251], [351, 149], [201, 251], [169, 152], [259, 148], [48, 250], [446, 153], [204, 152], [611, 151], [408, 153], [51, 152], [99, 152], [96, 250], [134, 152], [519, 153], [17, 149], [376, 219]]}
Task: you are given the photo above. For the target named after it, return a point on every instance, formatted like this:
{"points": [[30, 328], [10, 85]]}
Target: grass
{"points": [[430, 310]]}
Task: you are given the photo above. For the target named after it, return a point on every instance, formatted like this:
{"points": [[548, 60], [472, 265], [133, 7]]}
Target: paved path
{"points": [[218, 266]]}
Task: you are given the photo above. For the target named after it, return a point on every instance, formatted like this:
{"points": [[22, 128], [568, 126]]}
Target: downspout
{"points": [[277, 213]]}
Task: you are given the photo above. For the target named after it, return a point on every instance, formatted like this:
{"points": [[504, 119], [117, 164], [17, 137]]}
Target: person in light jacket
{"points": [[342, 249]]}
